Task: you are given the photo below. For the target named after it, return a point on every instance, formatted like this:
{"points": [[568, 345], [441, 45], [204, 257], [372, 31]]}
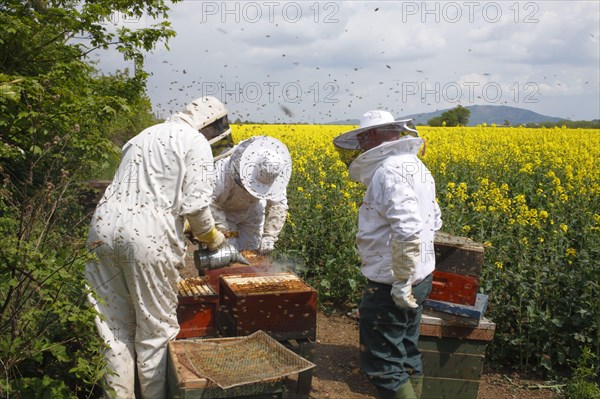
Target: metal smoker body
{"points": [[223, 257]]}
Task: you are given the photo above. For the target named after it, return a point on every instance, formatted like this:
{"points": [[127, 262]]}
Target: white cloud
{"points": [[398, 55]]}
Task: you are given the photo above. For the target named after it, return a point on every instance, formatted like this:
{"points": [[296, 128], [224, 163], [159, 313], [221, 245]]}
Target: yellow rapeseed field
{"points": [[532, 196], [519, 176]]}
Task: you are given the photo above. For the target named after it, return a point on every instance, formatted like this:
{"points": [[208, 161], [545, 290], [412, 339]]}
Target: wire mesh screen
{"points": [[246, 360]]}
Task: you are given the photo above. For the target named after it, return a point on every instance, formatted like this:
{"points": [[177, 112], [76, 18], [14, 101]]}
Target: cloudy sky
{"points": [[323, 61]]}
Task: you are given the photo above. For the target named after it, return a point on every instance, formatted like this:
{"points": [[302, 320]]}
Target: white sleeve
{"points": [[223, 186], [437, 216], [198, 181], [400, 206], [275, 216]]}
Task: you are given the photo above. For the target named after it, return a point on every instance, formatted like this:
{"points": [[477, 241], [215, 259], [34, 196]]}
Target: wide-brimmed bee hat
{"points": [[378, 121], [263, 166]]}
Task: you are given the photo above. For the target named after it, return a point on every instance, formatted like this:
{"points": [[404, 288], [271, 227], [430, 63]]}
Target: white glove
{"points": [[402, 295], [405, 258], [267, 245]]}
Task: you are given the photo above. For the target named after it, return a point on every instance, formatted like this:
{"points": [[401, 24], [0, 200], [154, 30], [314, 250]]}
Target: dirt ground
{"points": [[338, 376]]}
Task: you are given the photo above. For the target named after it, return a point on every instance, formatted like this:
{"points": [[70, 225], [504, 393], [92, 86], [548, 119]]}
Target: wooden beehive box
{"points": [[197, 308], [91, 192], [281, 304], [257, 262], [458, 255], [184, 383], [459, 261], [453, 354], [454, 288]]}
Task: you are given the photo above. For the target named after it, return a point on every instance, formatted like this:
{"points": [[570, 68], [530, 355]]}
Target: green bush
{"points": [[584, 383]]}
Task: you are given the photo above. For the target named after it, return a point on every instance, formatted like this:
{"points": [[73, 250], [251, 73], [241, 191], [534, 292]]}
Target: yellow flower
{"points": [[499, 265], [564, 227], [571, 252], [300, 189]]}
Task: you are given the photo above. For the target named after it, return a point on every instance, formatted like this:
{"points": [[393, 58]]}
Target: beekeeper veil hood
{"points": [[376, 127], [208, 115], [263, 166]]}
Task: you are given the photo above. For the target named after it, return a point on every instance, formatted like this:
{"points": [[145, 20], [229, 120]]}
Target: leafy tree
{"points": [[57, 118], [458, 116]]}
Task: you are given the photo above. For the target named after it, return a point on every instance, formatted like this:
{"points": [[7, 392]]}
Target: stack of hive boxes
{"points": [[454, 332], [237, 301]]}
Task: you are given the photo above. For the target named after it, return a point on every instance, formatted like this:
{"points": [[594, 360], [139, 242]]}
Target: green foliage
{"points": [[458, 116], [47, 335], [541, 261], [61, 123], [39, 34], [584, 384]]}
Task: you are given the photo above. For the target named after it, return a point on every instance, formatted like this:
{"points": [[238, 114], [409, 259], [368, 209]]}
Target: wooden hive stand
{"points": [[184, 383], [288, 317], [453, 353]]}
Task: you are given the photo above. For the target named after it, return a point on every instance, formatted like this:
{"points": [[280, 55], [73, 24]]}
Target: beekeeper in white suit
{"points": [[250, 196], [397, 222], [166, 175]]}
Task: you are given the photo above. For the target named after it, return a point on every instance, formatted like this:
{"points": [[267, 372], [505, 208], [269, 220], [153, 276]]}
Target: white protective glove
{"points": [[267, 245], [402, 295], [405, 258]]}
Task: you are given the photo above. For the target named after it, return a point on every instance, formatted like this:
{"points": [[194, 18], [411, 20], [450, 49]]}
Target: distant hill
{"points": [[489, 114]]}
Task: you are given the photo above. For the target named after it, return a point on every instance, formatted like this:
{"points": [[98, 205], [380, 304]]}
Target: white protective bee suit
{"points": [[397, 222], [250, 193], [399, 205], [396, 226], [166, 174]]}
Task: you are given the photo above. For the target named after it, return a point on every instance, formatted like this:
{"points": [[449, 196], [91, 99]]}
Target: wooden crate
{"points": [[307, 349], [258, 264], [476, 311], [453, 354], [91, 192], [454, 288], [184, 383], [197, 316], [283, 315], [459, 255], [197, 309], [215, 274]]}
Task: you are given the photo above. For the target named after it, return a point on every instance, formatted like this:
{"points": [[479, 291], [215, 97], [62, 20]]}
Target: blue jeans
{"points": [[389, 336]]}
